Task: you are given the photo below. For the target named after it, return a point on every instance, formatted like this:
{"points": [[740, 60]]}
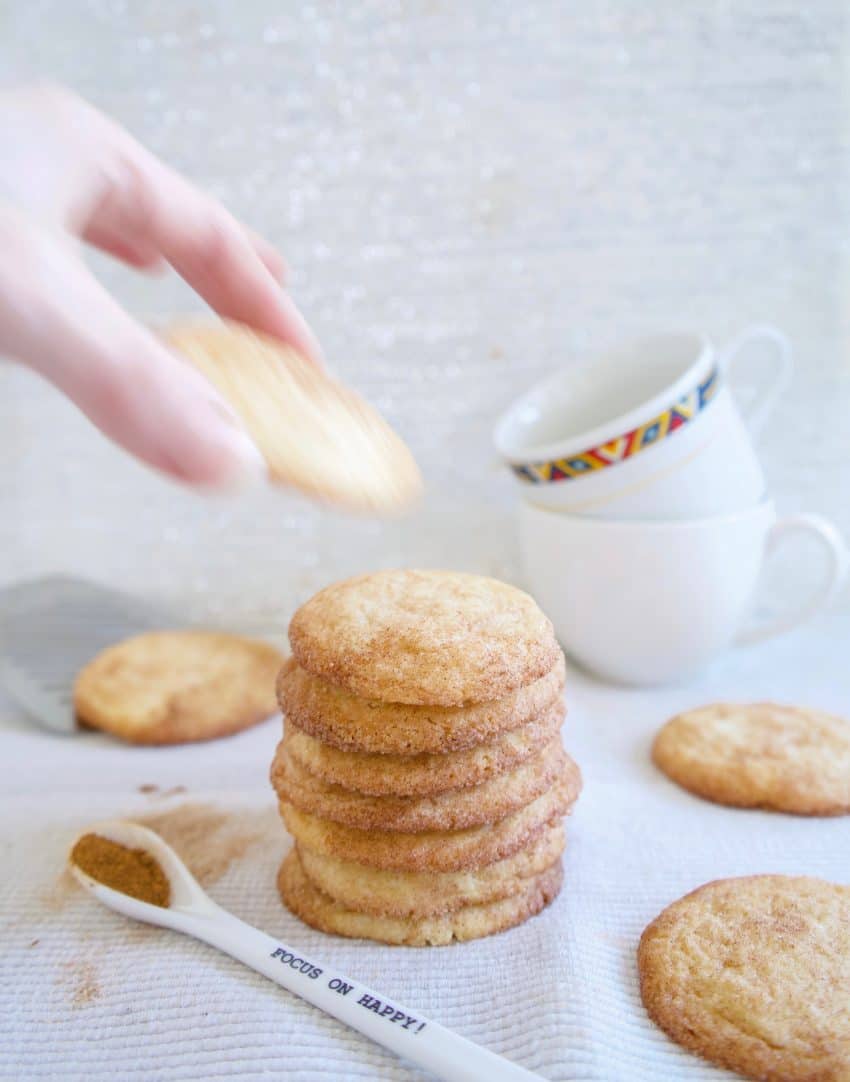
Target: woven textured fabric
{"points": [[86, 993]]}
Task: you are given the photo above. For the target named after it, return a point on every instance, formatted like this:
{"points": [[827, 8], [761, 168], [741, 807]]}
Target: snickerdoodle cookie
{"points": [[171, 687], [428, 894], [754, 975], [315, 908], [420, 775], [434, 850], [314, 433], [762, 755], [351, 723], [455, 809], [439, 638]]}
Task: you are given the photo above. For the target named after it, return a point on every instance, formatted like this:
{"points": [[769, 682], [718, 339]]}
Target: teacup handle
{"points": [[835, 572], [765, 399]]}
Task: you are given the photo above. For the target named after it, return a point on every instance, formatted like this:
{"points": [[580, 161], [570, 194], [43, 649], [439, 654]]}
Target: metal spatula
{"points": [[50, 627]]}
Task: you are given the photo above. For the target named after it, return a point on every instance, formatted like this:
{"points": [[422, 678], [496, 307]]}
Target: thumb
{"points": [[56, 317]]}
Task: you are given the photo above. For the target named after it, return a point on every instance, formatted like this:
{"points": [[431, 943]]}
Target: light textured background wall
{"points": [[469, 195]]}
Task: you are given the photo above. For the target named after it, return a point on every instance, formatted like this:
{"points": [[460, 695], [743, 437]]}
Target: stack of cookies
{"points": [[421, 771]]}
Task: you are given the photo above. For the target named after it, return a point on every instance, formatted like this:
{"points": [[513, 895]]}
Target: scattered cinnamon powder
{"points": [[81, 980], [209, 840], [55, 896], [149, 789], [132, 871]]}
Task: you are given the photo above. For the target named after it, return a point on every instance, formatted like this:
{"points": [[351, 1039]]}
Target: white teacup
{"points": [[654, 602], [648, 431]]}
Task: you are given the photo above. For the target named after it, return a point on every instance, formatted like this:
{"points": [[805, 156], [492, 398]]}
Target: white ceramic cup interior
{"points": [[599, 399]]}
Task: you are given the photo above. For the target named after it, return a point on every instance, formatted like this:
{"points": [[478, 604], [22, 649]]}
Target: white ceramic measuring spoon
{"points": [[405, 1032]]}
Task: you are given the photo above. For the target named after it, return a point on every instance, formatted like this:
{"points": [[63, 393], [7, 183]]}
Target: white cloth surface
{"points": [[86, 994]]}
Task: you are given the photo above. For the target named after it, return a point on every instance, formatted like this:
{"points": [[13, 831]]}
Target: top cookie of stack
{"points": [[424, 638], [421, 770]]}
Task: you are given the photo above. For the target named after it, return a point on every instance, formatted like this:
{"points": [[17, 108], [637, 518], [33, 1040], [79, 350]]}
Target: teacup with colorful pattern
{"points": [[649, 430]]}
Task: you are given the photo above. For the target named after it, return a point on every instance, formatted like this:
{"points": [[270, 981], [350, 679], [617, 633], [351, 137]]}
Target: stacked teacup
{"points": [[644, 516]]}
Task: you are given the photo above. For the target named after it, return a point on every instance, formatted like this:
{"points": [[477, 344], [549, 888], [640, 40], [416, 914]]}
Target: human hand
{"points": [[68, 174]]}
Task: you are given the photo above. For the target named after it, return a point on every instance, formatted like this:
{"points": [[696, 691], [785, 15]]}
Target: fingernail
{"points": [[245, 465], [222, 454], [309, 343], [250, 468]]}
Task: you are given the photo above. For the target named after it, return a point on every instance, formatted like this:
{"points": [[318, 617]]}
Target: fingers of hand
{"points": [[130, 250], [57, 318], [213, 252], [235, 271], [104, 186]]}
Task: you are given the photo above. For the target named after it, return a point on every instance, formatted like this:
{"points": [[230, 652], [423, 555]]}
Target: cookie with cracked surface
{"points": [[434, 850], [455, 809], [438, 638], [429, 894], [315, 434], [351, 723], [318, 910], [782, 758], [422, 775], [753, 974], [174, 687]]}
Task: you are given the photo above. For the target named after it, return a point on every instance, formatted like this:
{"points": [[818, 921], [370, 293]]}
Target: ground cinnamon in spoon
{"points": [[132, 871]]}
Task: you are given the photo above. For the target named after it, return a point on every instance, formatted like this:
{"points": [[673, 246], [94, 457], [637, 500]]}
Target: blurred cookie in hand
{"points": [[782, 758], [173, 687], [316, 434], [754, 975]]}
